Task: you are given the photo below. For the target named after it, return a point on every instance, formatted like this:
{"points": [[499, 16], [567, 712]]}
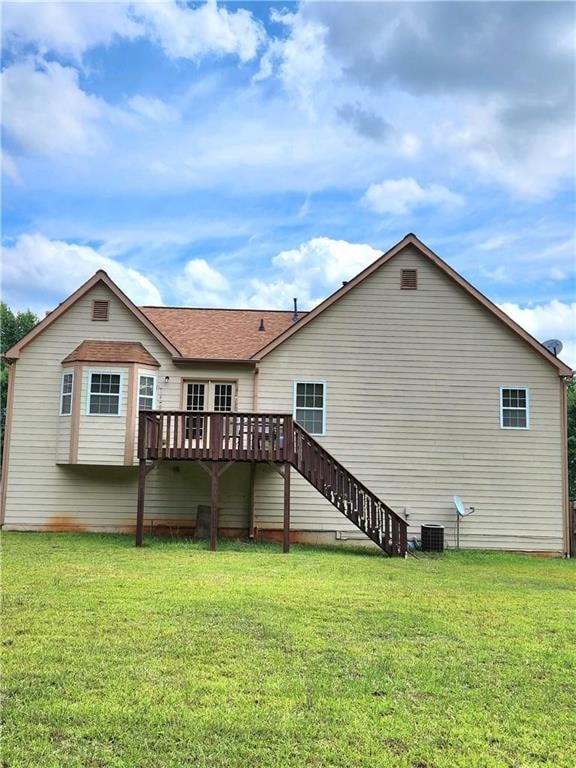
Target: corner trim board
{"points": [[7, 438], [566, 516], [131, 395], [75, 422]]}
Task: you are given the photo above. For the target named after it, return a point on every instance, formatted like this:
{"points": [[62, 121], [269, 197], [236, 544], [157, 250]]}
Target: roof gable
{"points": [[99, 277], [474, 293]]}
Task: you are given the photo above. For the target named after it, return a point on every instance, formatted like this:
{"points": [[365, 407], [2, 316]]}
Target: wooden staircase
{"points": [[350, 497]]}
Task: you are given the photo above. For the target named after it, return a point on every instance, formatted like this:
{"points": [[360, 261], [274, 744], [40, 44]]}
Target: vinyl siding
{"points": [[413, 398], [41, 494]]}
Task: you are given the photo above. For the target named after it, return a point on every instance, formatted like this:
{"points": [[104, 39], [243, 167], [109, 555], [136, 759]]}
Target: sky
{"points": [[241, 154]]}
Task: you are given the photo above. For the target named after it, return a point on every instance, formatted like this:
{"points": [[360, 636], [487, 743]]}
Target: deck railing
{"points": [[215, 436]]}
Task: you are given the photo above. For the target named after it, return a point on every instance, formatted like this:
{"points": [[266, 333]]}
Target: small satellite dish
{"points": [[554, 346], [460, 513], [459, 506]]}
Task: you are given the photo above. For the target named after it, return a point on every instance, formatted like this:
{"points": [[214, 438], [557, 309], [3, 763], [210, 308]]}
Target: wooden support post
{"points": [[215, 471], [286, 536], [140, 507], [252, 522], [214, 509], [285, 475]]}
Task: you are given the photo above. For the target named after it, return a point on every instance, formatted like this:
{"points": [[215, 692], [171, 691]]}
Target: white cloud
{"points": [[520, 147], [38, 273], [300, 59], [553, 320], [325, 260], [191, 33], [152, 109], [68, 29], [202, 285], [310, 272], [502, 104], [497, 242], [400, 196], [45, 110]]}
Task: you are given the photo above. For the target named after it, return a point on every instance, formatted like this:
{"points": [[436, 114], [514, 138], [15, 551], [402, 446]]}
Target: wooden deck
{"points": [[216, 440]]}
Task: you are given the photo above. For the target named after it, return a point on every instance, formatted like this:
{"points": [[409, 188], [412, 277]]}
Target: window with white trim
{"points": [[514, 408], [146, 391], [66, 393], [104, 394], [310, 406]]}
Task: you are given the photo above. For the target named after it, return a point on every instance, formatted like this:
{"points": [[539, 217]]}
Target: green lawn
{"points": [[175, 656]]}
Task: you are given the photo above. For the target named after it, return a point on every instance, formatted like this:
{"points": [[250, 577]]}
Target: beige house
{"points": [[404, 388]]}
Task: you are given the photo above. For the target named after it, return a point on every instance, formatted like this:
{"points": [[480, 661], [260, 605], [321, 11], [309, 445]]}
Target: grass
{"points": [[247, 658]]}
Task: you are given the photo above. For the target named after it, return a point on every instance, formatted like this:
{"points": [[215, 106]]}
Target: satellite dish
{"points": [[460, 513], [459, 506], [554, 346]]}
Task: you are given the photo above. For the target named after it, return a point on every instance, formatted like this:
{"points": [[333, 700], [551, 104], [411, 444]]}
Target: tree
{"points": [[572, 439], [13, 325]]}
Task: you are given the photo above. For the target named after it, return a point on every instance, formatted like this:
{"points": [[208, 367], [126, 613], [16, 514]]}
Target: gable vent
{"points": [[409, 279], [100, 310]]}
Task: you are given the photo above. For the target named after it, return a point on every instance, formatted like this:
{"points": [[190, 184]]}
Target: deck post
{"points": [[252, 521], [286, 533], [214, 475], [140, 505], [215, 471]]}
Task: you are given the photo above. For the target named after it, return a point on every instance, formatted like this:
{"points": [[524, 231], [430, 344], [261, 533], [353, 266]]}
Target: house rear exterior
{"points": [[408, 376]]}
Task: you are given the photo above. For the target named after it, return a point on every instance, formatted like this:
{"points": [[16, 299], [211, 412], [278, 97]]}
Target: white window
{"points": [[310, 406], [104, 394], [514, 408], [146, 392], [66, 393]]}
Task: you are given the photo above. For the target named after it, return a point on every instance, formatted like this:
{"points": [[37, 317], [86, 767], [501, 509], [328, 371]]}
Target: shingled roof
{"points": [[91, 351], [217, 334]]}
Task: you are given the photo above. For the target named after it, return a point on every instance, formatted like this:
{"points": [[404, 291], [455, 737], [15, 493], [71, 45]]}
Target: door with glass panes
{"points": [[218, 396]]}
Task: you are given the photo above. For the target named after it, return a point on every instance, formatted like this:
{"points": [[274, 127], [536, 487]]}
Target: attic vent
{"points": [[100, 310], [409, 279]]}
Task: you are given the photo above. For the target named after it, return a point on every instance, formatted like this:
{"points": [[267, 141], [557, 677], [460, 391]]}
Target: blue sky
{"points": [[242, 154]]}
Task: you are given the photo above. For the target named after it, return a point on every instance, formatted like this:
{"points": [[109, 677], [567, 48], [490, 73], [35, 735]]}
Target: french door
{"points": [[217, 396]]}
